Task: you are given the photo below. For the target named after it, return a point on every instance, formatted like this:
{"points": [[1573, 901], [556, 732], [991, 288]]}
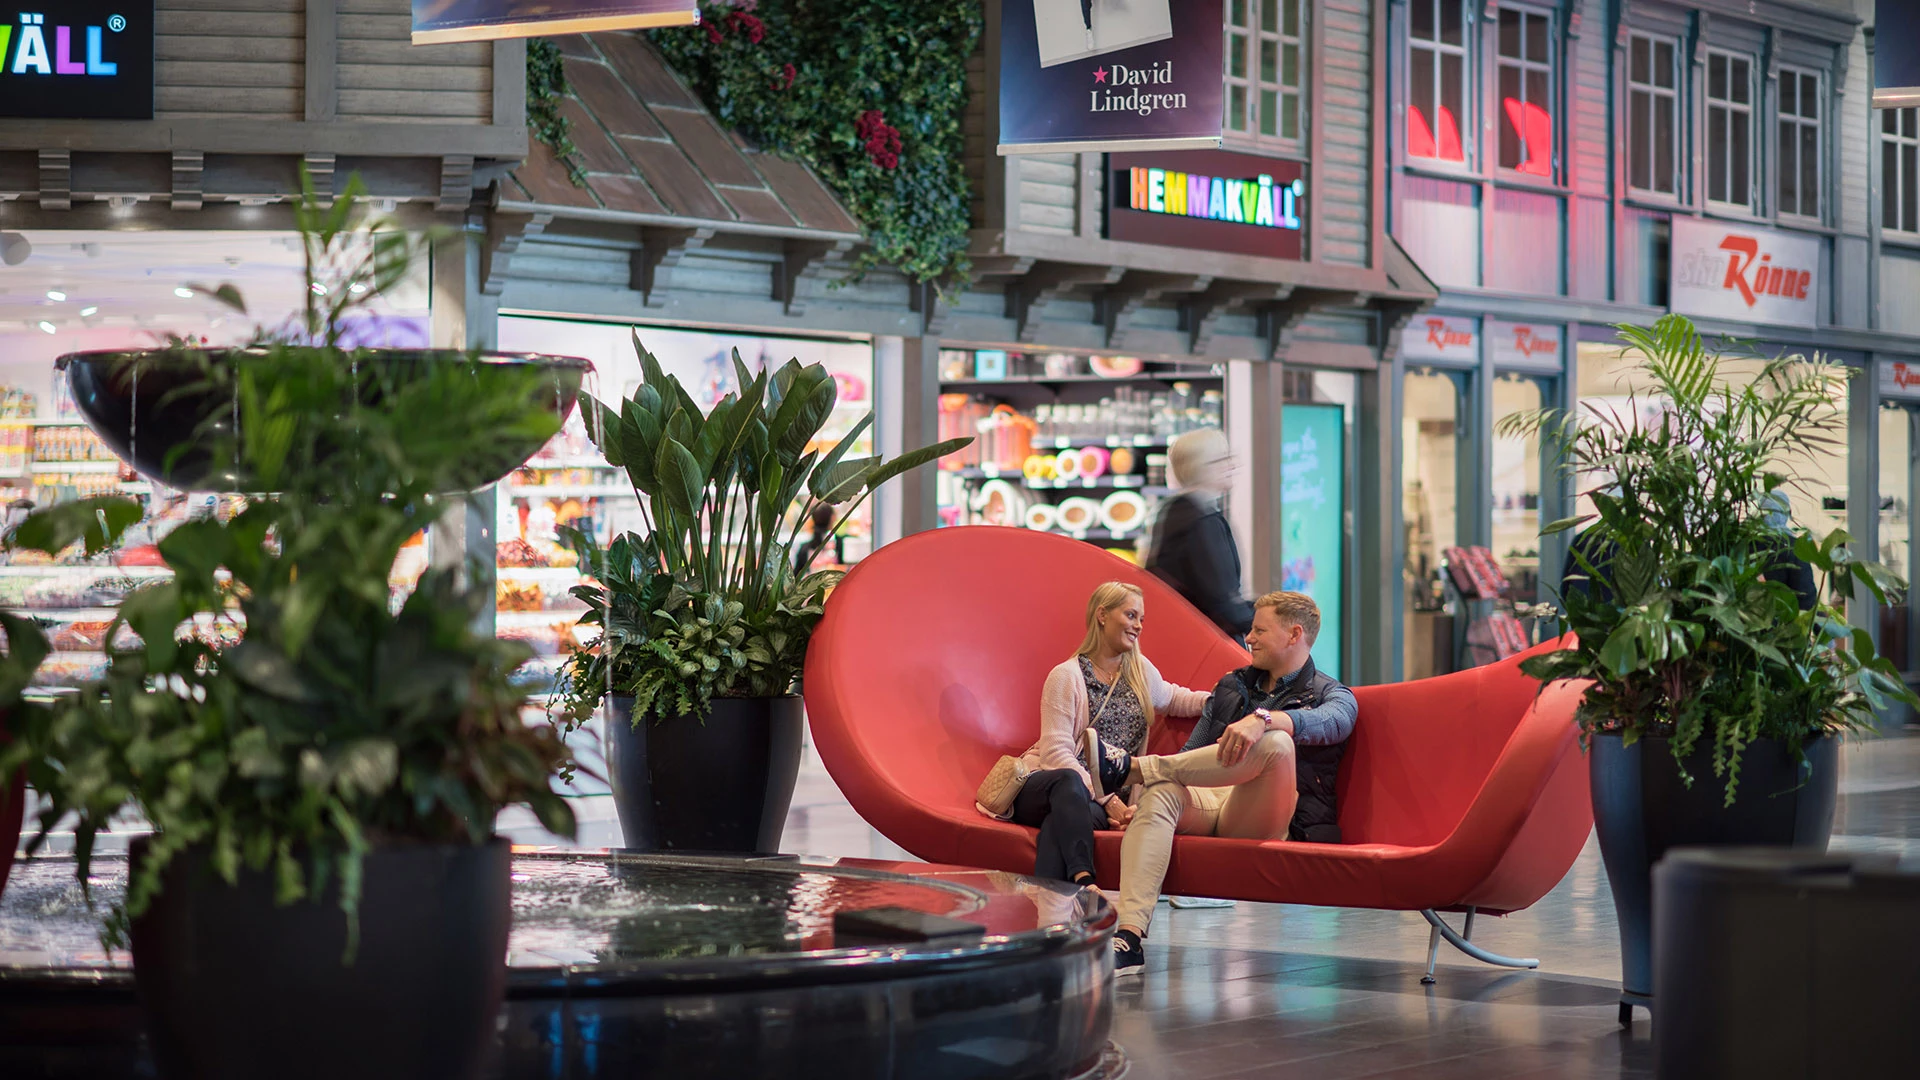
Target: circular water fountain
{"points": [[642, 965]]}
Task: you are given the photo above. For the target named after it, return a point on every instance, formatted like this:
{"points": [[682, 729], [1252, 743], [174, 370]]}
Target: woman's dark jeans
{"points": [[1056, 800]]}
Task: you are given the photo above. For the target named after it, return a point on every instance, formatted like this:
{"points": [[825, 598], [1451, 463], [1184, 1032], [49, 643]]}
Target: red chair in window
{"points": [[1460, 793]]}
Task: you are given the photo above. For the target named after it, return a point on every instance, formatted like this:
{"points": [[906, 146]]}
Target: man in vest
{"points": [[1260, 764]]}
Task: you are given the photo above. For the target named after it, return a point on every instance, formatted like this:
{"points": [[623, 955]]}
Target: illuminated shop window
{"points": [[1437, 80], [1526, 97]]}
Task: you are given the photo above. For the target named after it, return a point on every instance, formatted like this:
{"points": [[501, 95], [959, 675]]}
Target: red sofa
{"points": [[1465, 792]]}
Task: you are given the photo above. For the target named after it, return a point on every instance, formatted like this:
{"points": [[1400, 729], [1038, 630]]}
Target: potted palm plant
{"points": [[1717, 694], [322, 893], [704, 620]]}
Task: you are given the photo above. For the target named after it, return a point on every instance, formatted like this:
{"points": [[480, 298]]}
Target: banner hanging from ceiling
{"points": [[1896, 55], [438, 22], [1110, 75]]}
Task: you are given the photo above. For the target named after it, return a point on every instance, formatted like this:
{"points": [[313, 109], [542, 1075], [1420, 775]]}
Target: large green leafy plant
{"points": [[706, 603], [341, 718], [1684, 626]]}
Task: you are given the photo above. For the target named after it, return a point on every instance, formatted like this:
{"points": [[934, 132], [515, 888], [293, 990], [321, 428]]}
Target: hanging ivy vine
{"points": [[868, 93], [546, 86]]}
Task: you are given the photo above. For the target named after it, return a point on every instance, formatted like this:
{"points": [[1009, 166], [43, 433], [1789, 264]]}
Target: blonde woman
{"points": [[1109, 689]]}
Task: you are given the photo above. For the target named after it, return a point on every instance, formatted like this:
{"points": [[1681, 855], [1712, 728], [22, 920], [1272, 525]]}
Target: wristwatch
{"points": [[1265, 715]]}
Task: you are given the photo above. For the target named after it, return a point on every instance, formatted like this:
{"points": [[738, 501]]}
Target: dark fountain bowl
{"points": [[146, 402]]}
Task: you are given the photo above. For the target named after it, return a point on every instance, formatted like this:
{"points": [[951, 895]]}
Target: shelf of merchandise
{"points": [[1147, 378], [567, 491], [83, 569], [85, 466]]}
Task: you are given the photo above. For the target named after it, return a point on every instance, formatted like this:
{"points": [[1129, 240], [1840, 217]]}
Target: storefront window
{"points": [[1430, 455], [1517, 469], [569, 482], [1896, 528], [1818, 500]]}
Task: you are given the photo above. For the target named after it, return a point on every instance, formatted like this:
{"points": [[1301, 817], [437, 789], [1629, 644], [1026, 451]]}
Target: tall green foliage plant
{"points": [[1682, 625]]}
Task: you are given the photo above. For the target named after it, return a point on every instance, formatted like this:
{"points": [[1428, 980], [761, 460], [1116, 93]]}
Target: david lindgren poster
{"points": [[1110, 75], [436, 22]]}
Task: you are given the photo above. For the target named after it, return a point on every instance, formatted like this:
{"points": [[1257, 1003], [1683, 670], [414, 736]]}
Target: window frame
{"points": [[1898, 139], [1550, 69], [1799, 121], [1251, 39], [1677, 195], [1731, 107], [1469, 92]]}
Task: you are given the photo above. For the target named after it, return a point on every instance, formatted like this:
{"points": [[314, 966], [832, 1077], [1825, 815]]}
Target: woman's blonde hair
{"points": [[1111, 596]]}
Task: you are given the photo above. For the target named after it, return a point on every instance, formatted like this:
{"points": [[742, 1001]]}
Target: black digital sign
{"points": [[77, 60]]}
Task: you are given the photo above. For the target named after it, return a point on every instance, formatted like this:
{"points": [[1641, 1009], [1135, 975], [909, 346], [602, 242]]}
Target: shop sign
{"points": [[81, 60], [1534, 346], [1447, 339], [1744, 274], [1208, 199], [437, 22], [1900, 379], [1093, 75]]}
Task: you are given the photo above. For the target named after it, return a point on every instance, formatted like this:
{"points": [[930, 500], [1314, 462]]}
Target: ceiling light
{"points": [[56, 295], [47, 326], [183, 293], [14, 248], [89, 312]]}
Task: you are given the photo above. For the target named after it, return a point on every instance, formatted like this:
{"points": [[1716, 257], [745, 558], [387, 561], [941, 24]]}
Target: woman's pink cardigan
{"points": [[1065, 714]]}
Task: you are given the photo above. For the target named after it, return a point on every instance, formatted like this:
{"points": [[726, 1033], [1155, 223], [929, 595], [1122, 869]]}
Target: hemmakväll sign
{"points": [[1092, 75], [438, 22]]}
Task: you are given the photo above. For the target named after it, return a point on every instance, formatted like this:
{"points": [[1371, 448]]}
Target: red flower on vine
{"points": [[788, 73], [749, 25], [881, 138], [713, 33]]}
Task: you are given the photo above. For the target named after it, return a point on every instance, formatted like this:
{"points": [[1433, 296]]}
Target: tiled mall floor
{"points": [[1265, 990]]}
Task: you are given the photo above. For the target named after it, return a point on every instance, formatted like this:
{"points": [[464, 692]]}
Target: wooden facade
{"points": [[245, 91]]}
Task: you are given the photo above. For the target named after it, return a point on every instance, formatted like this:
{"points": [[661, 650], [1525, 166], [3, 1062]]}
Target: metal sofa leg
{"points": [[1459, 941], [1433, 955]]}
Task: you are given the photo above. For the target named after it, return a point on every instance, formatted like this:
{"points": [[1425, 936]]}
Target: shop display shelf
{"points": [[1146, 378], [543, 572], [566, 491], [1138, 442], [46, 421], [585, 462], [539, 617], [98, 570], [86, 466]]}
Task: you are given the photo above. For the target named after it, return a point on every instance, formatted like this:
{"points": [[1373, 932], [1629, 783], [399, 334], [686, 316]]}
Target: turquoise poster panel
{"points": [[1313, 514]]}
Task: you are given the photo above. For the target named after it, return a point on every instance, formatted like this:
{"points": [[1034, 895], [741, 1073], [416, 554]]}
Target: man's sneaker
{"points": [[1129, 956]]}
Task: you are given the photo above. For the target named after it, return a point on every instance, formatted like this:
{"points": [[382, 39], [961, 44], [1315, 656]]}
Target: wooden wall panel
{"points": [[1345, 125], [1440, 229], [975, 152], [1899, 284], [1858, 139], [382, 77], [1527, 243], [1590, 121], [1048, 193], [205, 49], [1590, 229]]}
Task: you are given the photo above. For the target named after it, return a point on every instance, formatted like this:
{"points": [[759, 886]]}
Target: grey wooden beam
{"points": [[56, 179], [264, 137], [510, 85], [456, 183], [804, 260], [1116, 306], [188, 168], [672, 221], [505, 232], [323, 61], [1028, 297], [661, 249], [920, 426]]}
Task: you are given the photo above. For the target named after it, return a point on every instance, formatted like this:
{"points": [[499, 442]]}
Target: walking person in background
{"points": [[1193, 546]]}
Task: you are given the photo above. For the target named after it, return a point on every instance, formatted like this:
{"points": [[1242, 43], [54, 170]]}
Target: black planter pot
{"points": [[144, 403], [1641, 809], [234, 986], [718, 784]]}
